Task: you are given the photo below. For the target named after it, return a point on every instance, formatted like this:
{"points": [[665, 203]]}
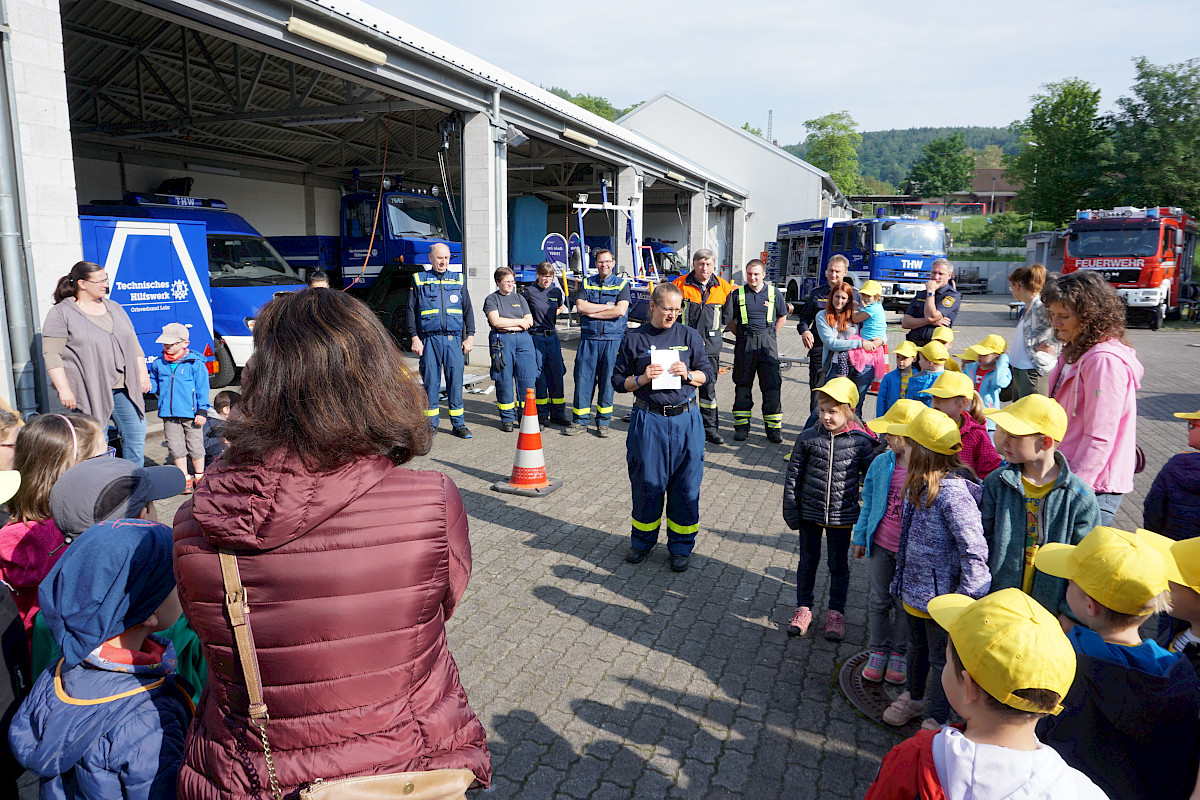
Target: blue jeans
{"points": [[132, 427], [1109, 502]]}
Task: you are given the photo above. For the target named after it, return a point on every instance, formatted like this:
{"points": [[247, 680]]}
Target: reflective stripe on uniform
{"points": [[582, 412], [708, 405], [506, 406], [682, 530], [541, 401], [432, 412], [773, 420], [648, 526], [456, 412], [770, 319], [604, 409], [558, 401]]}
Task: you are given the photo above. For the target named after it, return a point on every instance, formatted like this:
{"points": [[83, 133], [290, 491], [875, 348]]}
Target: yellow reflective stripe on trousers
{"points": [[433, 412], [604, 409], [647, 526], [682, 530], [541, 401], [558, 401], [579, 412], [707, 405], [456, 412], [506, 406]]}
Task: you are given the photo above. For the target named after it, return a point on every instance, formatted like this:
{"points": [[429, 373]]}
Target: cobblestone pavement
{"points": [[600, 679]]}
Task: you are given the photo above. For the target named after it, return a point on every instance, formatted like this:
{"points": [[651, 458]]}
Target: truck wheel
{"points": [[1156, 319], [225, 369]]}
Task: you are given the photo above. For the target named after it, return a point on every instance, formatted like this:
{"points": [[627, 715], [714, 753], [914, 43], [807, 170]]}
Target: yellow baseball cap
{"points": [[944, 335], [901, 413], [906, 349], [1007, 642], [935, 351], [1188, 414], [1183, 558], [992, 343], [10, 481], [933, 429], [871, 287], [970, 354], [841, 389], [1033, 413], [951, 384], [1121, 570]]}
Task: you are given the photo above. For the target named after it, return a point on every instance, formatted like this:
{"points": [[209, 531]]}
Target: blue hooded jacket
{"points": [[182, 387], [91, 733]]}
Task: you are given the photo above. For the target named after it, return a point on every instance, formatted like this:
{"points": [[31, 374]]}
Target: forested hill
{"points": [[887, 155]]}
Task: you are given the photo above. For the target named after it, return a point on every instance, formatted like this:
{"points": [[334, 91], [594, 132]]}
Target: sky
{"points": [[899, 64]]}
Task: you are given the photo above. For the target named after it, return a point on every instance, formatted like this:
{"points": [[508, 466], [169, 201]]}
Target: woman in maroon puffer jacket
{"points": [[351, 564]]}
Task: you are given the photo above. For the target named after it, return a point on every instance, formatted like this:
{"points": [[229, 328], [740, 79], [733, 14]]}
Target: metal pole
{"points": [[12, 254], [1035, 166]]}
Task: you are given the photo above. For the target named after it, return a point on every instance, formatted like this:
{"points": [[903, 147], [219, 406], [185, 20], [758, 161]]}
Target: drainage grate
{"points": [[872, 699]]}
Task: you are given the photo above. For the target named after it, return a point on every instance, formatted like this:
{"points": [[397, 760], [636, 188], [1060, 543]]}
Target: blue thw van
{"points": [[189, 260]]}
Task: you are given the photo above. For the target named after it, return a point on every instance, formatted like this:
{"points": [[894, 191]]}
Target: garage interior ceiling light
{"points": [[232, 173], [727, 196], [336, 41], [305, 123], [148, 134], [675, 176], [527, 168], [582, 138]]}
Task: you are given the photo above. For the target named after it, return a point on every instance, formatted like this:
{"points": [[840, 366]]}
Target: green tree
{"points": [[945, 167], [991, 157], [1059, 140], [1151, 157], [1002, 230], [876, 186], [832, 145], [755, 131], [599, 106]]}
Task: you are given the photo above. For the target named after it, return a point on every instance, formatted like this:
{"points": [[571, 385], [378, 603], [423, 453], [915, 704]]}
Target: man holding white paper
{"points": [[663, 363]]}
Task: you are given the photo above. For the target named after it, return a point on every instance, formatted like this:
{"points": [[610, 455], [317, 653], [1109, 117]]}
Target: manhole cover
{"points": [[872, 699]]}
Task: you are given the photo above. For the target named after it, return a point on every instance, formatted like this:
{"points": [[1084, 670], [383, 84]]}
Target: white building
{"points": [[780, 186]]}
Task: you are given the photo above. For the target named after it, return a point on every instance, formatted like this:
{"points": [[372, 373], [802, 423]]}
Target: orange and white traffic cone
{"points": [[529, 477]]}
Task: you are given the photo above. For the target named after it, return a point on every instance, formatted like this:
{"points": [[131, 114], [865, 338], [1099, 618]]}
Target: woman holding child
{"points": [[351, 564], [1096, 380]]}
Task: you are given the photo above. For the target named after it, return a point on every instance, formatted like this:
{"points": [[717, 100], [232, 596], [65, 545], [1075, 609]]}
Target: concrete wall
{"points": [[43, 134], [780, 189], [274, 208]]}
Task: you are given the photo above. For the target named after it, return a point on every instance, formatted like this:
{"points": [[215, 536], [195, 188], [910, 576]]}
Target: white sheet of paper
{"points": [[665, 381]]}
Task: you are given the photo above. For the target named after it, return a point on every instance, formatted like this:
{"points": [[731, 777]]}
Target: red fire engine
{"points": [[1144, 253]]}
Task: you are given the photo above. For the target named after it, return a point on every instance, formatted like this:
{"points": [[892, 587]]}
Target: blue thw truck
{"points": [[896, 251], [189, 260]]}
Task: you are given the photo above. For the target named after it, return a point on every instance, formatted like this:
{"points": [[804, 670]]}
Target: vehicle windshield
{"points": [[247, 261], [1114, 242], [910, 237], [416, 216]]}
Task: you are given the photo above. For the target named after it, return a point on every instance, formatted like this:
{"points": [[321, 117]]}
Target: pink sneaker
{"points": [[903, 710], [835, 626], [800, 621], [873, 671], [897, 670]]}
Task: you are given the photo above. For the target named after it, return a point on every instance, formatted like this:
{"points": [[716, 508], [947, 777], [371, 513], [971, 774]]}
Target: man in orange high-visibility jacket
{"points": [[704, 294]]}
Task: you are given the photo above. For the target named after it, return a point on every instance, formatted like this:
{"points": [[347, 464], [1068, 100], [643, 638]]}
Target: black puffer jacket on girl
{"points": [[823, 477]]}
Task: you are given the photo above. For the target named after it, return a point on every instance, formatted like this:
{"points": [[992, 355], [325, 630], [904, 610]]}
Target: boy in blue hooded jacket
{"points": [[108, 719]]}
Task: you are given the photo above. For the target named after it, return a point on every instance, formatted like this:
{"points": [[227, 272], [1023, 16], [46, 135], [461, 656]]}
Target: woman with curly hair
{"points": [[1096, 380]]}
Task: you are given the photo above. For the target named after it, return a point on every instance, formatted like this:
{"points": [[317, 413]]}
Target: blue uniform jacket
{"points": [[182, 387], [126, 742], [440, 304], [634, 356], [593, 289]]}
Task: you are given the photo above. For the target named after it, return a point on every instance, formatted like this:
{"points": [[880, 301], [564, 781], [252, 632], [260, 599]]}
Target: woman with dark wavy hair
{"points": [[351, 563], [1096, 380]]}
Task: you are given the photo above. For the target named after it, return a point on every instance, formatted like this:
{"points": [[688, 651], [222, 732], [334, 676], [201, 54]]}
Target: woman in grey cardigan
{"points": [[1034, 350], [93, 356]]}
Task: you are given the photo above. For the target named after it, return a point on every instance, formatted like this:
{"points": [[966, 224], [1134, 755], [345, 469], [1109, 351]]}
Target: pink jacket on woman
{"points": [[1099, 393], [350, 577]]}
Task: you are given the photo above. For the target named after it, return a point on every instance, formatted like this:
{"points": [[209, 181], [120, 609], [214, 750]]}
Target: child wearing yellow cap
{"points": [[1172, 505], [1183, 576], [1033, 499], [820, 500], [931, 358], [990, 373], [894, 385], [1131, 721], [877, 534], [955, 396], [942, 549], [1008, 665]]}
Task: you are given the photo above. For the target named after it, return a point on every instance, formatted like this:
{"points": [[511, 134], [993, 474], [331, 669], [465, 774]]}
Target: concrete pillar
{"points": [[737, 246], [485, 193], [47, 217], [697, 224], [628, 193]]}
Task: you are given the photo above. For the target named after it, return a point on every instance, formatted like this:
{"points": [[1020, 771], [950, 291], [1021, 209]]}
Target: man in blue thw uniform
{"points": [[603, 303], [443, 332], [756, 313], [664, 449], [935, 307], [546, 298]]}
